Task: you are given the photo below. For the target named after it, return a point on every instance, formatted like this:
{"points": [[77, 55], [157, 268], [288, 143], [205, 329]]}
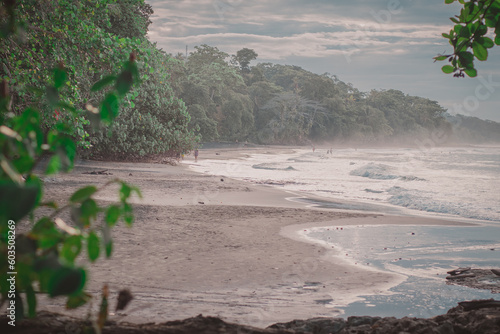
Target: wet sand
{"points": [[217, 246]]}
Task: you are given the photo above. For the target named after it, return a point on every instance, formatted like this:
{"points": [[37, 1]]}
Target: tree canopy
{"points": [[285, 104], [91, 38]]}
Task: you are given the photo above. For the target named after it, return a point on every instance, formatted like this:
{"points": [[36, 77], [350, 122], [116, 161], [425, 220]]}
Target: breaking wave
{"points": [[413, 199], [381, 172], [271, 167]]}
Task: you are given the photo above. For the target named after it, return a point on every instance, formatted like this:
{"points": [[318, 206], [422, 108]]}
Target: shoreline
{"points": [[221, 247]]}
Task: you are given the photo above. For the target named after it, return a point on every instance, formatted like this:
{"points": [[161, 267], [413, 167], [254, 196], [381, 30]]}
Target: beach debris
{"points": [[124, 297], [221, 180], [460, 273], [496, 272], [478, 279], [100, 172], [103, 309], [460, 276], [201, 202], [479, 304]]}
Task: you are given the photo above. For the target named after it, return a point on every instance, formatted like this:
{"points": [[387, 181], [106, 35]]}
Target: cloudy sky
{"points": [[373, 44]]}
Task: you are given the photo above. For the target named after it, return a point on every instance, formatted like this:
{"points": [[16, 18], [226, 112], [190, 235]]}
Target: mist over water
{"points": [[451, 183]]}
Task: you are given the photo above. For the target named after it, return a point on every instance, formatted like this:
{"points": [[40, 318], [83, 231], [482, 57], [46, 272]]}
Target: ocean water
{"points": [[452, 183], [446, 182]]}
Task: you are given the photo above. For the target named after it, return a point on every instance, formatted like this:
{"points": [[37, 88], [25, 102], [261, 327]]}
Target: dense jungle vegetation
{"points": [[91, 39]]}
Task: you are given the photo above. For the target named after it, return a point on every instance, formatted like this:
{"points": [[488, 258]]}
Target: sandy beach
{"points": [[221, 247]]}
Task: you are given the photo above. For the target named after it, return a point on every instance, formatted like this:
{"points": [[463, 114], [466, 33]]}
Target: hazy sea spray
{"points": [[461, 182]]}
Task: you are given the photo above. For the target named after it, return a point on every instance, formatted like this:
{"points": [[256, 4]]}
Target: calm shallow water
{"points": [[423, 254]]}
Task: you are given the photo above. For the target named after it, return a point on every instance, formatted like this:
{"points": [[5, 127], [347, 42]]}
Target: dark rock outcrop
{"points": [[476, 317]]}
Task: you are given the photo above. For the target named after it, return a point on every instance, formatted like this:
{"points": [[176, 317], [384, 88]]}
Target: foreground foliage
{"points": [[469, 36], [39, 254]]}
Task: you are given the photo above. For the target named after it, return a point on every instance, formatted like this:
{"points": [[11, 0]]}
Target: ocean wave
{"points": [[373, 191], [419, 201], [381, 172], [271, 167], [374, 171], [411, 178]]}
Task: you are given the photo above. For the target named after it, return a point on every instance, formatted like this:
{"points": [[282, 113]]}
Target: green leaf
{"points": [[71, 248], [124, 82], [60, 77], [109, 248], [439, 58], [9, 169], [86, 213], [481, 30], [112, 215], [24, 164], [464, 32], [109, 107], [480, 51], [471, 72], [93, 246], [447, 69], [65, 105], [108, 80], [46, 233], [125, 191], [128, 215], [66, 281], [67, 150], [82, 194], [466, 59], [54, 165], [486, 42], [16, 201], [75, 301], [448, 1], [31, 301]]}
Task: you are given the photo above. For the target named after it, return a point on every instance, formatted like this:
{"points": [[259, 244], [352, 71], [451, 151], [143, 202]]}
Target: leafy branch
{"points": [[46, 255], [470, 34]]}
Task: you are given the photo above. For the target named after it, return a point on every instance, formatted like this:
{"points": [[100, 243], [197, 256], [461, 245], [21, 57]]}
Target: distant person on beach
{"points": [[314, 148], [196, 155], [178, 156]]}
